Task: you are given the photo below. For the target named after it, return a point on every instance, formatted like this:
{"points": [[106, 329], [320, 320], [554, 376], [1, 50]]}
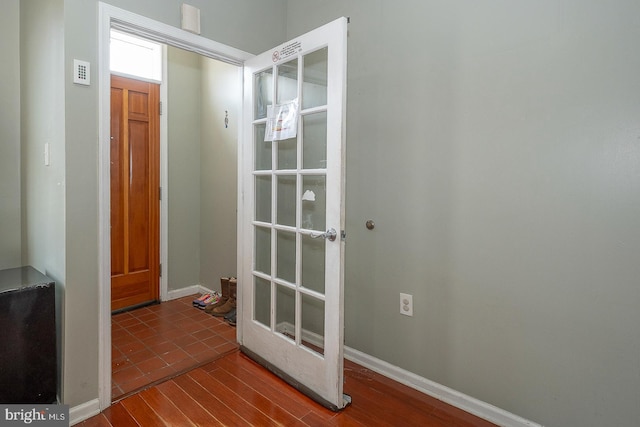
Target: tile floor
{"points": [[154, 343]]}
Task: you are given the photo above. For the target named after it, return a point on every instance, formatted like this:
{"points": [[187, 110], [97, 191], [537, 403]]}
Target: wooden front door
{"points": [[135, 188]]}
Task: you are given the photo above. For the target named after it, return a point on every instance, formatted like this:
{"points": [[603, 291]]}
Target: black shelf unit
{"points": [[28, 356]]}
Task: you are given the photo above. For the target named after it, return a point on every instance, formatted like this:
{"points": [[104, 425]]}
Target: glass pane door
{"points": [[290, 203], [293, 178]]}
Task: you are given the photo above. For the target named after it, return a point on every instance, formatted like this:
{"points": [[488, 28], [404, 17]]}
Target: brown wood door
{"points": [[135, 187]]}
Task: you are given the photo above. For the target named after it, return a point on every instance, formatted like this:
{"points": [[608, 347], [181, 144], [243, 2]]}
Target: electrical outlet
{"points": [[406, 304]]}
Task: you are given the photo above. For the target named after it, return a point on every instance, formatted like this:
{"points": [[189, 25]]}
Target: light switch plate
{"points": [[47, 154]]}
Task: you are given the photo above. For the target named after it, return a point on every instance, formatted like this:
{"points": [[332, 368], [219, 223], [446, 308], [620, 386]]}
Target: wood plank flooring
{"points": [[235, 391]]}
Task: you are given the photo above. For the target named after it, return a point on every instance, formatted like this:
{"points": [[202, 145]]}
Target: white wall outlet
{"points": [[406, 304]]}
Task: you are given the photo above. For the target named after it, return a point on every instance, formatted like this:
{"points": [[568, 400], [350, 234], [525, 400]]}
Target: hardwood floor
{"points": [[235, 391]]}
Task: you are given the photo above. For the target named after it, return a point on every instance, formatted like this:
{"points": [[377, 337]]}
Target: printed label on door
{"points": [[286, 51]]}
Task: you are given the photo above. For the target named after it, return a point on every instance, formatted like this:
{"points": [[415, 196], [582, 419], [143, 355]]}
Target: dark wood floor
{"points": [[235, 391]]}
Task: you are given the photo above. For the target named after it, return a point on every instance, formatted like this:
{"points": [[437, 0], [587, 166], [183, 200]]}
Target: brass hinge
{"points": [[160, 107]]}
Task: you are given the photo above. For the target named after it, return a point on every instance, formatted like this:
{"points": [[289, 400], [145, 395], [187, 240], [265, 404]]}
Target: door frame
{"points": [[111, 16]]}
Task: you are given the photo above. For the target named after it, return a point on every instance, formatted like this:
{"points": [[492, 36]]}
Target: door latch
{"points": [[330, 235]]}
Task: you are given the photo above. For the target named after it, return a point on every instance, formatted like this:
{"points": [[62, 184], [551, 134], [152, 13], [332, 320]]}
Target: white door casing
{"points": [[291, 271]]}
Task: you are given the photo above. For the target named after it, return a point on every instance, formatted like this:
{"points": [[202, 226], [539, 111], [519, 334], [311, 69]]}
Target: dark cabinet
{"points": [[28, 365]]}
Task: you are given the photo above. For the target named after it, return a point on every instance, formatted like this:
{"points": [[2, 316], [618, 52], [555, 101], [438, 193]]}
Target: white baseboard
{"points": [[443, 393], [84, 411], [189, 290], [459, 400]]}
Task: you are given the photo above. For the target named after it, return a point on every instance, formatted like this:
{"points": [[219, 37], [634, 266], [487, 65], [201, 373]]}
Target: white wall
{"points": [[496, 146], [10, 200]]}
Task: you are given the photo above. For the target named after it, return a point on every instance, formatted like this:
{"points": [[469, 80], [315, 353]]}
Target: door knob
{"points": [[330, 234]]}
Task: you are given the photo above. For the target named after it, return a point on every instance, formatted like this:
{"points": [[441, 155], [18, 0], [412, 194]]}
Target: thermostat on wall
{"points": [[81, 72]]}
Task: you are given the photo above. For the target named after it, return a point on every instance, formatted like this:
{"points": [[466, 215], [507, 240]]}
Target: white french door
{"points": [[292, 211]]}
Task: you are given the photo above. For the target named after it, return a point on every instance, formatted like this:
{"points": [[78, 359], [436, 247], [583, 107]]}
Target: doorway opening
{"points": [[199, 206], [201, 94]]}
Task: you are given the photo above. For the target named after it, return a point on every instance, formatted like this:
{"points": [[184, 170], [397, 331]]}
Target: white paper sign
{"points": [[282, 121]]}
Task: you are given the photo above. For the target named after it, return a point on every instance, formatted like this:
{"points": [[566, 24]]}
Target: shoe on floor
{"points": [[230, 314], [224, 308], [209, 308], [196, 302], [231, 317], [212, 299]]}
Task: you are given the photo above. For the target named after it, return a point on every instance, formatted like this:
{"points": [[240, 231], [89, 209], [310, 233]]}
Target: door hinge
{"points": [[160, 270], [160, 193], [160, 107]]}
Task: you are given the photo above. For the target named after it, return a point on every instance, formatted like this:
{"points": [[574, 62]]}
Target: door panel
{"points": [[135, 202], [138, 196], [291, 312], [117, 189]]}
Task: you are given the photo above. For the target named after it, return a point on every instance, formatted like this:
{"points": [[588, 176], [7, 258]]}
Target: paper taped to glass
{"points": [[282, 121]]}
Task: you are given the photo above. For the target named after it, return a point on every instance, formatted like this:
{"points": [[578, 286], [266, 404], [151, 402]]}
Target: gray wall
{"points": [[495, 144], [43, 121], [184, 134], [10, 200], [244, 24], [219, 171], [203, 169]]}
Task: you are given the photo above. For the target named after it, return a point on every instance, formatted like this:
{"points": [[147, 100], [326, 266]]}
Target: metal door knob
{"points": [[330, 235]]}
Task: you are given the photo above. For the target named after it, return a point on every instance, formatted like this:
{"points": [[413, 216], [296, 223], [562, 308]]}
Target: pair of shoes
{"points": [[224, 308], [221, 300], [230, 317], [196, 302], [224, 286], [233, 288], [212, 299]]}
